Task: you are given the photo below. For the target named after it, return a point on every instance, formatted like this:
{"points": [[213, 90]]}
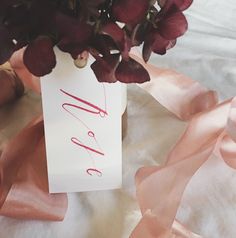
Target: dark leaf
{"points": [[130, 71], [39, 56], [130, 11], [104, 68]]}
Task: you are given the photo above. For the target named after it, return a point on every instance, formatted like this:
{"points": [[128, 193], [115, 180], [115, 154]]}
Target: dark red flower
{"points": [[111, 69], [93, 26], [167, 25]]}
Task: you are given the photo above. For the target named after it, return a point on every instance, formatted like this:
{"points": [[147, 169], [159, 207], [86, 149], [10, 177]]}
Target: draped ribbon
{"points": [[24, 185], [24, 189], [211, 131]]}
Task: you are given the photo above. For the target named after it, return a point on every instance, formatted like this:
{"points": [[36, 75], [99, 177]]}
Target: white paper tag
{"points": [[82, 129]]}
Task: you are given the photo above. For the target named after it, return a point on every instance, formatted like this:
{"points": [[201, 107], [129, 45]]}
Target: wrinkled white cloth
{"points": [[207, 53]]}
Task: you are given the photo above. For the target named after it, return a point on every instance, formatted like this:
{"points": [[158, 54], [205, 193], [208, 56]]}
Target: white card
{"points": [[82, 120]]}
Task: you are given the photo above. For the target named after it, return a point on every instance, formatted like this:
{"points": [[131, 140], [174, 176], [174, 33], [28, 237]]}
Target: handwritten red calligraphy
{"points": [[79, 143], [93, 110], [94, 171]]}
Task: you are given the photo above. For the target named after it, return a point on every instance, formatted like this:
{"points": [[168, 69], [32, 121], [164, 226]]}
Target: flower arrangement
{"points": [[107, 29]]}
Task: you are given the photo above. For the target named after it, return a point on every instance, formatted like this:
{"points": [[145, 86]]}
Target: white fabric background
{"points": [[207, 53]]}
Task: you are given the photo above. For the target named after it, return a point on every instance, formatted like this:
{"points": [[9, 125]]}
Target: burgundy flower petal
{"points": [[171, 44], [7, 47], [74, 35], [181, 4], [161, 45], [103, 44], [39, 56], [173, 26], [73, 48], [130, 11], [116, 33], [155, 43], [130, 71], [104, 68]]}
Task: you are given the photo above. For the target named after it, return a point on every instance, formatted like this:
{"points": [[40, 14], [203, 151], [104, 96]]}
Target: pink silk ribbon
{"points": [[23, 172], [211, 131], [23, 178]]}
